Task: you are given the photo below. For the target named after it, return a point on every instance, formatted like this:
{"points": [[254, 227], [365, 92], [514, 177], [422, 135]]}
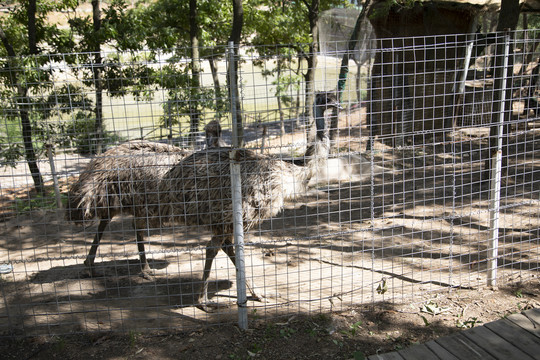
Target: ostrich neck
{"points": [[317, 153]]}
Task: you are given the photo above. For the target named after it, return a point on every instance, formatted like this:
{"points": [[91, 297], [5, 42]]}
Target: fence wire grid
{"points": [[430, 182]]}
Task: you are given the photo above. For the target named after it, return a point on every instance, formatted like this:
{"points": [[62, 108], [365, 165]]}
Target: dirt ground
{"points": [[351, 334], [354, 267]]}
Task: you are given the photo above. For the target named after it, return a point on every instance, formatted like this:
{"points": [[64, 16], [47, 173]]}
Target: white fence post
{"points": [[54, 176], [236, 188], [495, 177]]}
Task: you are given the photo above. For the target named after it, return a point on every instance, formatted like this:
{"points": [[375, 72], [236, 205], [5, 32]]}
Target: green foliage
{"points": [[161, 26], [285, 84], [63, 100], [59, 344], [282, 22], [383, 8], [10, 152], [467, 324], [338, 343], [255, 349], [287, 332], [382, 287], [353, 329], [45, 201], [25, 74], [533, 21], [122, 29], [286, 25], [133, 338], [167, 23], [80, 133], [11, 145], [48, 36], [433, 308], [177, 79]]}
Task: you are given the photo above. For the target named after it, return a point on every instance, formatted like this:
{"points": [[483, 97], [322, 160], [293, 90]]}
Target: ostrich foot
{"points": [[255, 295], [211, 306], [90, 272], [148, 274]]}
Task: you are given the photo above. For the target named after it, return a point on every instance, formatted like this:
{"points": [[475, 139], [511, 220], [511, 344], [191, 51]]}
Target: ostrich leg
{"points": [[146, 272], [211, 251], [228, 248], [89, 262], [213, 247]]}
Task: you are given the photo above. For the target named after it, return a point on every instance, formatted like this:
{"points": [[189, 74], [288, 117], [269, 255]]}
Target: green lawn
{"points": [[134, 119]]}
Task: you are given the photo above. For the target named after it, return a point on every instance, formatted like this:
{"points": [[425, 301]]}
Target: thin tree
{"points": [[97, 68], [344, 68], [173, 26], [195, 70], [508, 20], [22, 101], [309, 76], [236, 33]]}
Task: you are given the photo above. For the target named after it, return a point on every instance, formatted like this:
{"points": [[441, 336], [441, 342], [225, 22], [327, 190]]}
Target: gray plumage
{"points": [[197, 190], [123, 179], [212, 132]]}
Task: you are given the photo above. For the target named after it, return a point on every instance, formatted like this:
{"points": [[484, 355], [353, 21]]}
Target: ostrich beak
{"points": [[336, 104], [333, 101]]}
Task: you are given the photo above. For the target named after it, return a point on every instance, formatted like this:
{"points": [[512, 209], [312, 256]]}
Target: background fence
{"points": [[425, 209]]}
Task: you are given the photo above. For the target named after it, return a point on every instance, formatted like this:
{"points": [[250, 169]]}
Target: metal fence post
{"points": [[495, 176], [57, 195], [236, 188]]}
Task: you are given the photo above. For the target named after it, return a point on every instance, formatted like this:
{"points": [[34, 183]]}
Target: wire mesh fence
{"points": [[424, 181]]}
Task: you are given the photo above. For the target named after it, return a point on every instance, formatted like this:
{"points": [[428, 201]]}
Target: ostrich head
{"points": [[212, 132], [323, 101]]}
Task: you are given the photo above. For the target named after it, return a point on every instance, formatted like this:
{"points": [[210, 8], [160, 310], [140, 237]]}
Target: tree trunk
{"points": [[508, 20], [195, 71], [344, 68], [298, 87], [98, 83], [26, 127], [309, 76], [32, 42], [217, 87], [22, 102], [279, 102], [236, 32], [530, 52], [508, 15], [358, 83], [351, 45]]}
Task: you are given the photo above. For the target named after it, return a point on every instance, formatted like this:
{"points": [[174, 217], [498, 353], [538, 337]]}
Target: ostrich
{"points": [[121, 180], [197, 190]]}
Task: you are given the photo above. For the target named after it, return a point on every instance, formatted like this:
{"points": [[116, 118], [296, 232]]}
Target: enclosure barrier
{"points": [[445, 198], [236, 197]]}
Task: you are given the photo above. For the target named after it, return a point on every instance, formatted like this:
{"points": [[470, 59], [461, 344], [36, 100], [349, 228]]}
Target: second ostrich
{"points": [[197, 190], [122, 179], [126, 179]]}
